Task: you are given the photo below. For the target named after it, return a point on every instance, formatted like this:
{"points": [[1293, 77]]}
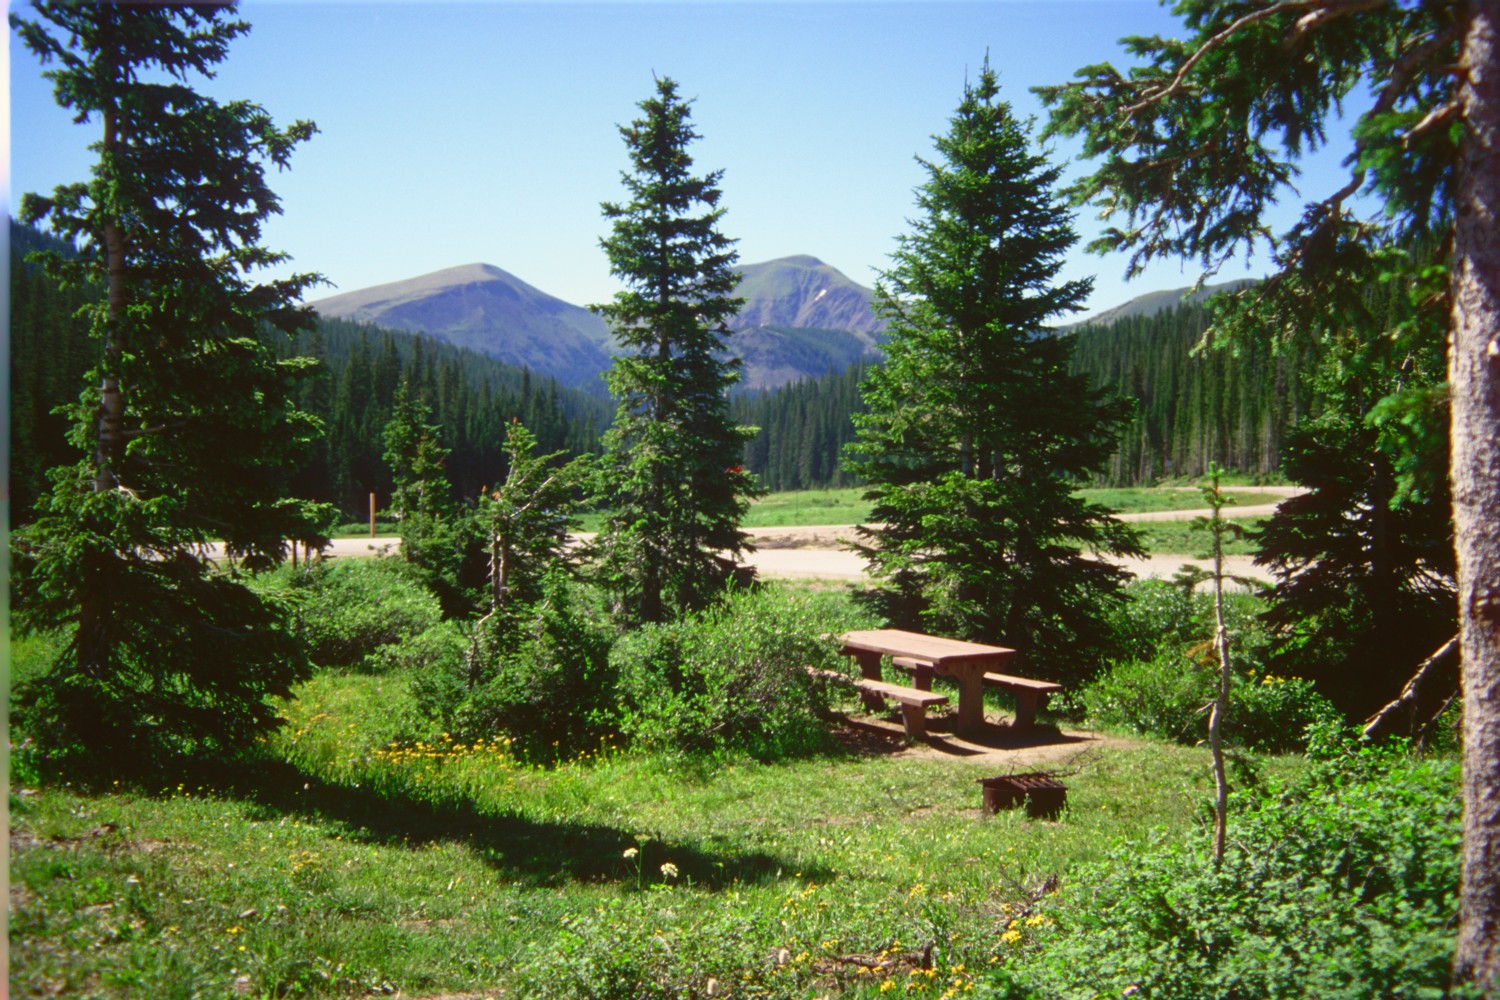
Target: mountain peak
{"points": [[803, 292], [487, 309]]}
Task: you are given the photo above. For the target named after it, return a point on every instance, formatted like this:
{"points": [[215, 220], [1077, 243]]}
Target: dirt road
{"points": [[821, 552]]}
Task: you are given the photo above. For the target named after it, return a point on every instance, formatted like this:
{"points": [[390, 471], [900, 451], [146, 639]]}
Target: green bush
{"points": [[732, 678], [1166, 697], [1162, 615], [1164, 688], [348, 610], [1343, 884], [440, 647], [548, 686]]}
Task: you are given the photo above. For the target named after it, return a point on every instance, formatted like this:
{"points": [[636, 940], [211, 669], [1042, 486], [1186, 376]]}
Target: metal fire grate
{"points": [[1045, 796]]}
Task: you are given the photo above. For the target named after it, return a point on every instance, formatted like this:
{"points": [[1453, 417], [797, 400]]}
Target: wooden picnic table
{"points": [[965, 662]]}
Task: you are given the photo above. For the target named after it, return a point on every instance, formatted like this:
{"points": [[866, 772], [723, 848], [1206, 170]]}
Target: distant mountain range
{"points": [[802, 318]]}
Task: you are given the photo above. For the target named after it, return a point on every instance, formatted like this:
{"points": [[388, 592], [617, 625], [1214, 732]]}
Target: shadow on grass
{"points": [[539, 853], [880, 735]]}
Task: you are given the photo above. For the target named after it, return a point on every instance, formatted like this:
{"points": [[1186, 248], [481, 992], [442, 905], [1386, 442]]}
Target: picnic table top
{"points": [[937, 649]]}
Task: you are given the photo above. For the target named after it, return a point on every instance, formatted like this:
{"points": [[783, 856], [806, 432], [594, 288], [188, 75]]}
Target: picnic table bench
{"points": [[1030, 695], [914, 702]]}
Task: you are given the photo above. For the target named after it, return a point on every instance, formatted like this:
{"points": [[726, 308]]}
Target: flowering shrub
{"points": [[1165, 697], [1163, 690], [552, 692]]}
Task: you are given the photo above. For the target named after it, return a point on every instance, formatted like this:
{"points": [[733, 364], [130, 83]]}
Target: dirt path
{"points": [[822, 552]]}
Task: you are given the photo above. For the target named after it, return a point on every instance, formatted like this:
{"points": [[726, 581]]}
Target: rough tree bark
{"points": [[1474, 378]]}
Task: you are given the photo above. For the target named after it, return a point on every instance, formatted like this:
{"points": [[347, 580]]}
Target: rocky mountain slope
{"points": [[801, 318], [486, 309]]}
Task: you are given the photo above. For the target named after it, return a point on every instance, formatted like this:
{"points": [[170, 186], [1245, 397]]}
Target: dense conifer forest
{"points": [[1233, 407], [803, 429]]}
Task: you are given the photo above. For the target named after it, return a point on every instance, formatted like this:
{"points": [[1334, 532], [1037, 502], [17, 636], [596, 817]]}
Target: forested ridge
{"points": [[1229, 406], [1233, 407], [473, 398]]}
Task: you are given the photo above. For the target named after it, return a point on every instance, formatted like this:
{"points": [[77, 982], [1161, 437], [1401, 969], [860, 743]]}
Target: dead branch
{"points": [[1406, 705]]}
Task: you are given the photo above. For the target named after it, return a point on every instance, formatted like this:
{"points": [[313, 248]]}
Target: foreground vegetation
{"points": [[361, 851]]}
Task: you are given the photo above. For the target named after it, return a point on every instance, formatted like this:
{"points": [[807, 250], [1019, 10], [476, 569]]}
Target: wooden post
{"points": [[372, 515]]}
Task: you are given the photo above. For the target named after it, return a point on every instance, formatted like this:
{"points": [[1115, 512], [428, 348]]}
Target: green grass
{"points": [[357, 529], [816, 508], [1182, 538], [1142, 500], [336, 866]]}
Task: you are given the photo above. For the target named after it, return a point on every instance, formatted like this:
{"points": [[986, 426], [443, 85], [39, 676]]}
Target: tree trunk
{"points": [[1221, 696], [1474, 377], [111, 422]]}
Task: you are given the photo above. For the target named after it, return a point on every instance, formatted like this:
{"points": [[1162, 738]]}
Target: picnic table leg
{"points": [[915, 719], [970, 701], [869, 668], [1027, 703]]}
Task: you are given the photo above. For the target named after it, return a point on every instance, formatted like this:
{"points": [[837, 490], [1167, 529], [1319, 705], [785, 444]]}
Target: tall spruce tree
{"points": [[976, 432], [1205, 133], [672, 465], [189, 428]]}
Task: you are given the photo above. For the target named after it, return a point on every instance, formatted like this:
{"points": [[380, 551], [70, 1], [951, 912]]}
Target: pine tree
{"points": [[671, 469], [977, 433], [189, 427]]}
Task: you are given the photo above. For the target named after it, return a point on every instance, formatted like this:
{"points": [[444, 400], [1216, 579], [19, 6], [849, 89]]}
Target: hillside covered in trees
{"points": [[472, 397], [1193, 407]]}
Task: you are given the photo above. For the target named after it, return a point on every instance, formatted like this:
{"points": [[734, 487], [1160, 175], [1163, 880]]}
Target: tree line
{"points": [[1191, 408]]}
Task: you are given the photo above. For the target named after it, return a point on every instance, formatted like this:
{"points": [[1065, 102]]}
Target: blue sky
{"points": [[454, 133]]}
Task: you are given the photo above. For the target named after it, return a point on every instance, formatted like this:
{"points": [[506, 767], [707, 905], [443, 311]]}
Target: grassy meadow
{"points": [[340, 863], [359, 851]]}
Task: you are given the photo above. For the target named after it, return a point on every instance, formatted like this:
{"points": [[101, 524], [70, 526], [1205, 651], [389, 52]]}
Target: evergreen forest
{"points": [[1193, 405]]}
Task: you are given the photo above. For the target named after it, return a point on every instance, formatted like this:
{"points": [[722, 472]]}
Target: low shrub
{"points": [[1166, 697], [733, 678], [1162, 615], [440, 647], [1341, 884], [548, 687], [348, 610], [1164, 688]]}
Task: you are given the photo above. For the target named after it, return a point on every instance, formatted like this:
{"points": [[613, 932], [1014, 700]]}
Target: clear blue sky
{"points": [[454, 133]]}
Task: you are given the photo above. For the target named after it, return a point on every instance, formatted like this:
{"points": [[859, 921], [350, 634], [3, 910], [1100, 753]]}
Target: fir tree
{"points": [[977, 433], [671, 469], [189, 428]]}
